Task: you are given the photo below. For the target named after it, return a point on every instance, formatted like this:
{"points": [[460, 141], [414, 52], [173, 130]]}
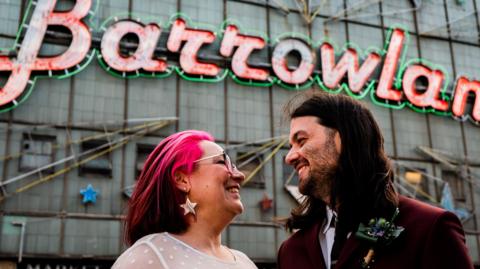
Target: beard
{"points": [[323, 165], [318, 183]]}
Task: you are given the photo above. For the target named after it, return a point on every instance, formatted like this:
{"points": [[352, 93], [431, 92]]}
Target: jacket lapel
{"points": [[313, 247], [351, 250]]}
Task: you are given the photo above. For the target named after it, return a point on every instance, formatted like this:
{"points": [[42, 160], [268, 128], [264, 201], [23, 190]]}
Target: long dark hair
{"points": [[363, 183]]}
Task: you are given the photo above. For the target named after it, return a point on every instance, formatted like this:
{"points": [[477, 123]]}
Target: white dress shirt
{"points": [[326, 237]]}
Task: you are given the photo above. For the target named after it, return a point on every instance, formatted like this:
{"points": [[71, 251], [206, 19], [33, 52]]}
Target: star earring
{"points": [[189, 207]]}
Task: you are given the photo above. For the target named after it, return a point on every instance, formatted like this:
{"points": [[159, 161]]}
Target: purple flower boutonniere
{"points": [[378, 233]]}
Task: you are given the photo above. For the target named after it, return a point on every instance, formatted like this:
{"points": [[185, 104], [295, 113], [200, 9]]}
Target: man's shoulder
{"points": [[297, 239], [435, 233], [413, 206], [420, 214]]}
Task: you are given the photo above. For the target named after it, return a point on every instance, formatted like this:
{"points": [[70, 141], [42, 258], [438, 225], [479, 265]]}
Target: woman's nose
{"points": [[237, 175]]}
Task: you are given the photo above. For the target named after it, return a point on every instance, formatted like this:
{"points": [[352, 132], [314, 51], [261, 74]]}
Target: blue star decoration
{"points": [[89, 195]]}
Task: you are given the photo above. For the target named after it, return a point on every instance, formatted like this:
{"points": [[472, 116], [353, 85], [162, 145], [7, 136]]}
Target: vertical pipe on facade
{"points": [[454, 70], [225, 116], [177, 84], [390, 110], [347, 34], [462, 127], [5, 163], [124, 147], [272, 131], [123, 160], [476, 19], [427, 117], [68, 152], [225, 91]]}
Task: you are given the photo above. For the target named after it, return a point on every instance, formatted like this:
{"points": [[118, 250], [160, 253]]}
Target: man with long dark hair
{"points": [[352, 216]]}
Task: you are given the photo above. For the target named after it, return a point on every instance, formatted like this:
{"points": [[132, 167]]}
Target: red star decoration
{"points": [[266, 203]]}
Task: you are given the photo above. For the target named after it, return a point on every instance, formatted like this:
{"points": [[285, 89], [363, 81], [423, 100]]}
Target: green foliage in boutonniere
{"points": [[379, 233]]}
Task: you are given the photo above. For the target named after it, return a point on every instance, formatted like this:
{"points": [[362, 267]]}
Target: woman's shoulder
{"points": [[142, 254], [243, 259]]}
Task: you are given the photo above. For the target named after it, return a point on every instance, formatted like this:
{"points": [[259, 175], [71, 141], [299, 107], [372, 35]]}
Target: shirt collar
{"points": [[328, 220]]}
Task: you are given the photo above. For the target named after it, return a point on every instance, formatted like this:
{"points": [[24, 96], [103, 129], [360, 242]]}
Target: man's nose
{"points": [[292, 155]]}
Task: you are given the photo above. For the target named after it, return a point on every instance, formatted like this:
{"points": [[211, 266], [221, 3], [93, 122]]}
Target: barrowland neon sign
{"points": [[385, 73]]}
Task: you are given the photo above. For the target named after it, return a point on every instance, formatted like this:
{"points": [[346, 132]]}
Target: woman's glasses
{"points": [[228, 162]]}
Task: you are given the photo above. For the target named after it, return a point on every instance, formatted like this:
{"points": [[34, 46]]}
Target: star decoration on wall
{"points": [[189, 207], [89, 194], [266, 203]]}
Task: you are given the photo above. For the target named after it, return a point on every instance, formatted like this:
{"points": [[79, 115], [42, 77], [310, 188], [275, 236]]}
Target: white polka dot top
{"points": [[163, 251]]}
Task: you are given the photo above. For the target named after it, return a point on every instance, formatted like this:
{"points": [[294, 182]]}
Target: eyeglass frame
{"points": [[231, 167]]}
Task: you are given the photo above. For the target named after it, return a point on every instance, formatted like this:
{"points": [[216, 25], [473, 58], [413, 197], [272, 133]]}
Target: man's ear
{"points": [[182, 182], [338, 142]]}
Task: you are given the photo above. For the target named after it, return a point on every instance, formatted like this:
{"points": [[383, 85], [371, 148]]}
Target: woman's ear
{"points": [[182, 182]]}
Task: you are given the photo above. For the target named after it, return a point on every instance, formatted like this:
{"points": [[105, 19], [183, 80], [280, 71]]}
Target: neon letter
{"points": [[194, 40], [463, 88], [27, 61], [279, 62], [246, 44], [142, 58], [332, 74], [430, 97], [384, 88]]}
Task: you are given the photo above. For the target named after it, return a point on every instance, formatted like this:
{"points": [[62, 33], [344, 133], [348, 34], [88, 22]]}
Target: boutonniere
{"points": [[378, 233]]}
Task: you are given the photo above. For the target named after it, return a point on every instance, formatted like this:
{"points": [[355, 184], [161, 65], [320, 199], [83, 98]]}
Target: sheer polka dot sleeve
{"points": [[163, 251], [141, 255]]}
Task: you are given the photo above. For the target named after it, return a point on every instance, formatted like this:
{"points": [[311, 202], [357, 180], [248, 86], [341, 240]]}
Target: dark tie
{"points": [[335, 248]]}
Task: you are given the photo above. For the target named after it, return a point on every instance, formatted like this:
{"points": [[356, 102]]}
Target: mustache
{"points": [[295, 164]]}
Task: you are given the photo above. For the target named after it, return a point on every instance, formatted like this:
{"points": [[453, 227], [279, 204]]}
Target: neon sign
{"points": [[385, 74]]}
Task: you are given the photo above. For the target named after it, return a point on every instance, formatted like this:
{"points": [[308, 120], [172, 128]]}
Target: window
{"points": [[143, 150], [101, 165], [456, 184], [247, 163], [418, 183], [37, 151]]}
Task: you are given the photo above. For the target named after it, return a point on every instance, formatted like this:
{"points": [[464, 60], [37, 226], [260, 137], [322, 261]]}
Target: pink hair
{"points": [[155, 203]]}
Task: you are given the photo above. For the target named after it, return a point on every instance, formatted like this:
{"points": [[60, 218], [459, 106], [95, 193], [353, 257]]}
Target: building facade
{"points": [[88, 93]]}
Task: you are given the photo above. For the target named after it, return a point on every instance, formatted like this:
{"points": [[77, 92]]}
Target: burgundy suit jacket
{"points": [[433, 238]]}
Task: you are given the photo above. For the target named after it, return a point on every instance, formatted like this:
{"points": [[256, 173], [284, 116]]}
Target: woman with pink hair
{"points": [[186, 194]]}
